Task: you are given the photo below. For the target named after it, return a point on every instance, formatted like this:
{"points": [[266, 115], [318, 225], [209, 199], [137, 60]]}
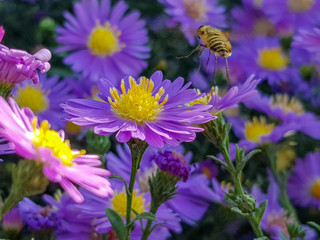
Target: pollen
{"points": [[138, 103], [206, 98], [104, 40], [287, 104], [272, 59], [315, 189], [119, 203], [257, 128], [33, 97], [300, 6], [196, 9], [46, 138]]}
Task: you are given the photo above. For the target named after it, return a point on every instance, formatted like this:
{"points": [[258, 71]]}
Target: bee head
{"points": [[201, 31]]}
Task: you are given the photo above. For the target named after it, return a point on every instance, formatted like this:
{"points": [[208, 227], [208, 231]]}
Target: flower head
{"points": [[104, 41], [12, 220], [2, 32], [304, 182], [43, 99], [191, 14], [61, 164], [151, 110]]}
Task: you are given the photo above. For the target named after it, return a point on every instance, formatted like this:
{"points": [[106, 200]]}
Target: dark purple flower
{"points": [[12, 220]]}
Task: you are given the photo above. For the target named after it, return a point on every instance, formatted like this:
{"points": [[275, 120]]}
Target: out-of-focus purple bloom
{"points": [[193, 196], [5, 148], [304, 182], [44, 99], [18, 65], [104, 41], [275, 217], [38, 217], [151, 110], [267, 60], [220, 190], [71, 226], [308, 40], [231, 99], [288, 110], [12, 220], [208, 168], [199, 80], [61, 164], [294, 13], [191, 14]]}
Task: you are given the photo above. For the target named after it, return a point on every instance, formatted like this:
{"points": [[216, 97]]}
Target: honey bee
{"points": [[216, 42]]}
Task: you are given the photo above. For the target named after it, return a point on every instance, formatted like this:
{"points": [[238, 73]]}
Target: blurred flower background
{"points": [[72, 71]]}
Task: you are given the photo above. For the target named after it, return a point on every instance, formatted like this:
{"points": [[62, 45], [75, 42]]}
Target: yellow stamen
{"points": [[272, 59], [206, 98], [300, 6], [196, 9], [33, 97], [315, 189], [45, 137], [119, 203], [257, 128], [285, 158], [138, 103], [104, 40], [287, 104]]}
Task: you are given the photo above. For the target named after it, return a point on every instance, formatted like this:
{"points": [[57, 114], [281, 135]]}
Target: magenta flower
{"points": [[2, 32], [104, 41], [61, 164], [151, 110], [18, 65]]}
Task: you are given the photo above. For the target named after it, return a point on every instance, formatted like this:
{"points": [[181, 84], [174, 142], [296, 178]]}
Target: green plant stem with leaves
{"points": [[146, 231], [217, 132]]}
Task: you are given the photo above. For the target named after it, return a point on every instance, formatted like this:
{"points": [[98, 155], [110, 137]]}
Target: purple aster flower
{"points": [[231, 99], [5, 148], [94, 207], [289, 110], [267, 60], [104, 41], [61, 164], [2, 32], [220, 190], [304, 182], [295, 13], [191, 14], [38, 217], [275, 217], [152, 110], [70, 226], [208, 168], [12, 220], [193, 196], [308, 40], [18, 65], [44, 99]]}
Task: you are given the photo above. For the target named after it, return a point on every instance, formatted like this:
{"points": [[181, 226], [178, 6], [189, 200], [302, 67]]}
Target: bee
{"points": [[216, 42]]}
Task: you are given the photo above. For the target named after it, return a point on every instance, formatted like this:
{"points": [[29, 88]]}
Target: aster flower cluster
{"points": [[105, 134]]}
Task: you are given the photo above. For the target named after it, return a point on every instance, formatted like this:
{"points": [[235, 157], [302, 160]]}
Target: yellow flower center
{"points": [[285, 158], [315, 189], [137, 104], [300, 6], [206, 171], [206, 98], [196, 9], [104, 40], [72, 128], [45, 137], [263, 27], [287, 104], [257, 128], [119, 203], [33, 97], [272, 59]]}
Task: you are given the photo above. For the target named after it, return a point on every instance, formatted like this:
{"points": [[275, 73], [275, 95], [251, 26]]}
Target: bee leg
{"points": [[193, 51], [227, 70], [201, 50], [215, 65]]}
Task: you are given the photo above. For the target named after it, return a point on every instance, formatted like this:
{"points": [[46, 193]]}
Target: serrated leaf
{"points": [[314, 225], [117, 223], [260, 210], [116, 176]]}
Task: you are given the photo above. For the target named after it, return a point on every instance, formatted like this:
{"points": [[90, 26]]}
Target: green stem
{"points": [[256, 227], [9, 203], [146, 231]]}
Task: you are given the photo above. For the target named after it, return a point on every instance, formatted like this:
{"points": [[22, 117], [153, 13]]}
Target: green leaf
{"points": [[219, 161], [117, 223], [260, 210], [146, 215], [261, 238], [248, 157], [283, 236], [157, 225], [238, 211], [314, 225], [116, 176]]}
